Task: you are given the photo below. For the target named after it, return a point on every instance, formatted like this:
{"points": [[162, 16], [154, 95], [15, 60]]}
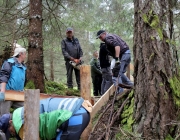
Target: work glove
{"points": [[117, 62], [2, 96], [115, 70]]}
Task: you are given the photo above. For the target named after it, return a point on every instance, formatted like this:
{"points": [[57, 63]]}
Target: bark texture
{"points": [[154, 107], [51, 65], [35, 71], [6, 53]]}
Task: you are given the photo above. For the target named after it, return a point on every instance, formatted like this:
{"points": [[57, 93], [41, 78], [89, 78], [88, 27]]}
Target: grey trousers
{"points": [[6, 105], [70, 70], [2, 136], [106, 80]]}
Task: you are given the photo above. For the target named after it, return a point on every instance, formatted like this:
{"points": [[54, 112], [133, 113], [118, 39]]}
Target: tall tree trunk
{"points": [[154, 107], [51, 65], [35, 71]]}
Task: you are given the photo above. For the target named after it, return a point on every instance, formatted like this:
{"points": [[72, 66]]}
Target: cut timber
{"points": [[85, 78], [102, 101], [31, 114], [11, 95]]}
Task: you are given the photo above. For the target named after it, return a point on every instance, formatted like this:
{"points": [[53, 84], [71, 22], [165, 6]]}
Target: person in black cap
{"points": [[119, 50], [71, 49]]}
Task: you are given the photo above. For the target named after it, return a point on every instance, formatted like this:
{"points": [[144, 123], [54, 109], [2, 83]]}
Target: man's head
{"points": [[11, 128], [6, 124], [69, 32], [96, 54], [20, 53], [101, 34]]}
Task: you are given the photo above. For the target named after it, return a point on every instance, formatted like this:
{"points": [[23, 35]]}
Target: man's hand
{"points": [[117, 62], [77, 61], [2, 96]]}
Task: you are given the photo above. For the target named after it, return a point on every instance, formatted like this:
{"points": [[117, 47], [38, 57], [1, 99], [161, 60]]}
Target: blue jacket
{"points": [[66, 107], [13, 73]]}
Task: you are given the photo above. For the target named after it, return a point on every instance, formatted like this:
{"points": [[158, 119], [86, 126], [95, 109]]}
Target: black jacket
{"points": [[103, 56], [112, 41], [71, 48]]}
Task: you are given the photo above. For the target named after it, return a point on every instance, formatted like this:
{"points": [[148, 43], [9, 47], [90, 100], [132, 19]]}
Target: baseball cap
{"points": [[4, 122], [18, 50], [99, 33], [69, 29]]}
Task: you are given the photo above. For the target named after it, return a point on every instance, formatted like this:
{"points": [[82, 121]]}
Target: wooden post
{"points": [[31, 115], [85, 77], [128, 71], [85, 73]]}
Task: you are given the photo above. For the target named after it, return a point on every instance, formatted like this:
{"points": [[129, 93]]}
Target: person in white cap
{"points": [[12, 77]]}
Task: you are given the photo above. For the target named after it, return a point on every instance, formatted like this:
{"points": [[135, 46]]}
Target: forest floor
{"points": [[108, 121]]}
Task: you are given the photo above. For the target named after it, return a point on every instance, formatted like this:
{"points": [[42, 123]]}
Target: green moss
{"points": [[152, 38], [166, 96], [52, 87], [171, 42], [155, 21], [168, 137], [159, 30], [30, 85], [127, 115], [161, 84], [151, 56], [145, 18], [174, 84]]}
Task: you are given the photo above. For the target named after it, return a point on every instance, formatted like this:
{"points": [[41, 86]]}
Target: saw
{"points": [[76, 66]]}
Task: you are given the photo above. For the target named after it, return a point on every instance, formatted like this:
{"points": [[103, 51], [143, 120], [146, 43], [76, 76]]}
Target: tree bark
{"points": [[35, 71], [51, 65], [154, 107]]}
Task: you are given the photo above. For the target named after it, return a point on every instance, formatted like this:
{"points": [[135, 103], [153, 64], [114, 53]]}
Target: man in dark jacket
{"points": [[96, 74], [105, 68], [72, 51], [120, 52]]}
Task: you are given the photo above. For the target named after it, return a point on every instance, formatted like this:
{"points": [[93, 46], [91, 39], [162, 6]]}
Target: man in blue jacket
{"points": [[12, 77], [72, 51]]}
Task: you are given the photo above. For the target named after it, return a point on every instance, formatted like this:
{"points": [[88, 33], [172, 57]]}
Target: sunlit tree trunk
{"points": [[35, 71], [154, 107]]}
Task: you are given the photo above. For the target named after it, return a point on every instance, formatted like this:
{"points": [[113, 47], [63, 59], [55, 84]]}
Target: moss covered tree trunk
{"points": [[154, 107], [35, 71]]}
